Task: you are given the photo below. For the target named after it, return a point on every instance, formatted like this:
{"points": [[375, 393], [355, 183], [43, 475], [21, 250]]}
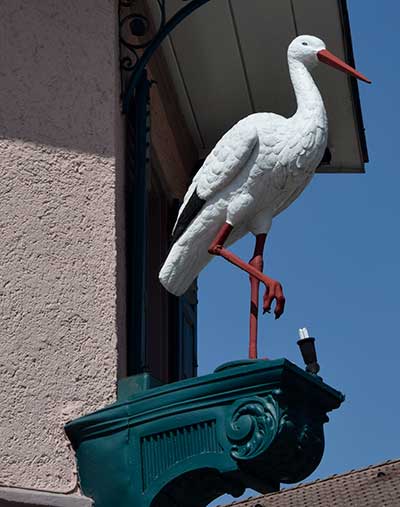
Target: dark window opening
{"points": [[165, 345]]}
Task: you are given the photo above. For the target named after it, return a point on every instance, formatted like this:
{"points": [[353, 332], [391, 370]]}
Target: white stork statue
{"points": [[258, 168]]}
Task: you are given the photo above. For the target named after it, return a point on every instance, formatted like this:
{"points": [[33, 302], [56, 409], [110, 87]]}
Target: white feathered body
{"points": [[255, 171]]}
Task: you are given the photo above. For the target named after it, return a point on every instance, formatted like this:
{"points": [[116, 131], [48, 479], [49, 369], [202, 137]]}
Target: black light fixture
{"points": [[307, 349]]}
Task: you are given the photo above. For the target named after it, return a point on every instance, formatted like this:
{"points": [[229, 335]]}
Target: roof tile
{"points": [[374, 486]]}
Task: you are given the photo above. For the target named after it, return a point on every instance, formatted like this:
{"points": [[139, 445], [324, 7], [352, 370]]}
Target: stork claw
{"points": [[274, 291]]}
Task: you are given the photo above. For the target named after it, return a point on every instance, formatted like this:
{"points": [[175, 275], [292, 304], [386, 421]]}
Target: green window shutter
{"points": [[187, 330]]}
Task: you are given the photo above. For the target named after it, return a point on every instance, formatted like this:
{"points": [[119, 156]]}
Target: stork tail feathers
{"points": [[180, 269], [190, 211]]}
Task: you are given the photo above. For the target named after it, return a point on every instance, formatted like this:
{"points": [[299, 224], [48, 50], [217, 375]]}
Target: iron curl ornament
{"points": [[139, 38], [137, 26]]}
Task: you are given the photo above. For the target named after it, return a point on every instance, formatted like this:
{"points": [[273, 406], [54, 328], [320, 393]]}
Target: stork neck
{"points": [[309, 100]]}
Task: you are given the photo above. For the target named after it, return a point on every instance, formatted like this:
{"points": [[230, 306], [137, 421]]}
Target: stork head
{"points": [[310, 50]]}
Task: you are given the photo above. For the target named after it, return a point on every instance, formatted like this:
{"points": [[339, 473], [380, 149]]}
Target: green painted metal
{"points": [[136, 202], [129, 387], [249, 424]]}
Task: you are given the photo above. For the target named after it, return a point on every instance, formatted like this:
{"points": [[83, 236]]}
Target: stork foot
{"points": [[273, 289], [257, 262], [273, 292], [253, 268]]}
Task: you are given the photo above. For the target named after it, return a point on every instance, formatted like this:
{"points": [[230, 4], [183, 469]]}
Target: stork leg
{"points": [[273, 289], [258, 263]]}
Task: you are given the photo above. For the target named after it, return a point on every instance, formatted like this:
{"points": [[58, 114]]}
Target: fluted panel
{"points": [[161, 451]]}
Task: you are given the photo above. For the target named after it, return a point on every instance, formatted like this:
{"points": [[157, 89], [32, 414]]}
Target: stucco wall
{"points": [[59, 123]]}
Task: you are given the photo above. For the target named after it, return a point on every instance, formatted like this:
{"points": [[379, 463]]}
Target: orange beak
{"points": [[327, 57]]}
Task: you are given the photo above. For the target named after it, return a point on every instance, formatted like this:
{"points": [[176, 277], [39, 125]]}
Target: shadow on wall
{"points": [[58, 74], [59, 81]]}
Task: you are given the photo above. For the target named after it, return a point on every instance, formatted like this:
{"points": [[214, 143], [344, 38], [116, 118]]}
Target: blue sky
{"points": [[336, 251]]}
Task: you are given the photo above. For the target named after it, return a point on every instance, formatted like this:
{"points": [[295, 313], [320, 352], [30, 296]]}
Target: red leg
{"points": [[258, 263], [273, 288]]}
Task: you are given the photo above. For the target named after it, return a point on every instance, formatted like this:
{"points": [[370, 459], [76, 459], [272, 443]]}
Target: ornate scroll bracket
{"points": [[250, 424]]}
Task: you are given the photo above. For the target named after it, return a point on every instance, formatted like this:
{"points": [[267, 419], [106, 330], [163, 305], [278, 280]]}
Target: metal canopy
{"points": [[228, 60]]}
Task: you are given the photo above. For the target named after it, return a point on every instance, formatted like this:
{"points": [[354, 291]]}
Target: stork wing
{"points": [[221, 166], [226, 160]]}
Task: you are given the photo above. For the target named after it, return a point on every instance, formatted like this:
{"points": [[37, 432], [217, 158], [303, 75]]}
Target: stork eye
{"points": [[305, 43]]}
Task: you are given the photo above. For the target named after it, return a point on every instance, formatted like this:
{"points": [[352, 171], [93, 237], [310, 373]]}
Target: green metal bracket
{"points": [[250, 424]]}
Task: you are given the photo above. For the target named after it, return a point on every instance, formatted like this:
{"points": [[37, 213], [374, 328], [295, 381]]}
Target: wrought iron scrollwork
{"points": [[135, 31], [139, 38]]}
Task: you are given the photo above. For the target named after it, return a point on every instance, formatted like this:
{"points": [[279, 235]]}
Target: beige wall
{"points": [[59, 128]]}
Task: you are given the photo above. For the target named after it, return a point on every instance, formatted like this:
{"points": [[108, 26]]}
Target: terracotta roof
{"points": [[375, 486]]}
